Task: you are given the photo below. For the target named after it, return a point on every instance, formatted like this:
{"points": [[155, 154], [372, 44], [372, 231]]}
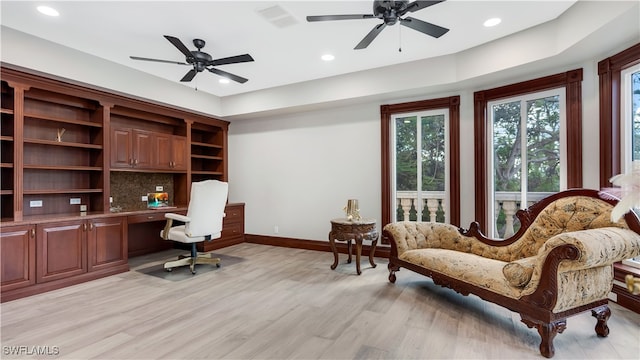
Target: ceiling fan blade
{"points": [[419, 5], [339, 17], [232, 60], [370, 36], [424, 27], [178, 44], [189, 76], [158, 60], [227, 75]]}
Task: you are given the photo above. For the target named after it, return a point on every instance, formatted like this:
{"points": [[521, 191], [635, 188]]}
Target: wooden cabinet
{"points": [[61, 250], [60, 143], [70, 248], [131, 149], [17, 254], [170, 152], [51, 255], [107, 243]]}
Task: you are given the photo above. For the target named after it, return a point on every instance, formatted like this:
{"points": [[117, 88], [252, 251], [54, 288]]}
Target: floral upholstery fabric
{"points": [[518, 272], [515, 270]]}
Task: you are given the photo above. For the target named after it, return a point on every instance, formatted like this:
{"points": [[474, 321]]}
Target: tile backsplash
{"points": [[127, 188]]}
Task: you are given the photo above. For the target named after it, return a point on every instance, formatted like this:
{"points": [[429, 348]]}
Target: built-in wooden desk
{"points": [[47, 252]]}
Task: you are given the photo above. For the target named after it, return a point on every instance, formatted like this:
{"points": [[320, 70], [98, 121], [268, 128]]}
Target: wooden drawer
{"points": [[232, 230], [234, 214], [149, 217]]}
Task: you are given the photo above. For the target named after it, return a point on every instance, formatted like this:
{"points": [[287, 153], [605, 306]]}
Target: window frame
{"points": [[610, 76], [452, 103], [572, 82], [393, 137]]}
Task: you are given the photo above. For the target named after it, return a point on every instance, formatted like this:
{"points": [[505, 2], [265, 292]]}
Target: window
{"points": [[612, 144], [532, 98], [630, 115], [526, 156], [421, 169], [432, 126]]}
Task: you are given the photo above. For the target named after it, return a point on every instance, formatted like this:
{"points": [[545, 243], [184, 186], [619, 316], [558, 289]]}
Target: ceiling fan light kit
{"points": [[201, 61], [390, 12]]}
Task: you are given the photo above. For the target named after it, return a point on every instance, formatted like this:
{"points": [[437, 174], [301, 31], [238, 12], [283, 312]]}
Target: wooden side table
{"points": [[358, 230]]}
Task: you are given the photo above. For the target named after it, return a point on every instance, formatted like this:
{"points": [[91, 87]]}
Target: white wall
{"points": [[296, 171]]}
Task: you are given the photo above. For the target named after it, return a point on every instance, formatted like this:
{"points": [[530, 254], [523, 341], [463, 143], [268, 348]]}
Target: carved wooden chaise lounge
{"points": [[558, 264]]}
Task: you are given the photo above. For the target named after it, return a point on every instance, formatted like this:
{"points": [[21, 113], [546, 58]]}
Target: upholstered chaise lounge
{"points": [[559, 263]]}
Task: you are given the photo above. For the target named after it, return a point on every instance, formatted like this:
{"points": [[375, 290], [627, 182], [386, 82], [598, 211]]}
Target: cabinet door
{"points": [[179, 152], [107, 243], [17, 254], [142, 149], [121, 151], [163, 158], [61, 250]]}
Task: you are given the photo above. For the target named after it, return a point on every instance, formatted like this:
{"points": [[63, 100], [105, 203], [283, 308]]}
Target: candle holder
{"points": [[352, 210]]}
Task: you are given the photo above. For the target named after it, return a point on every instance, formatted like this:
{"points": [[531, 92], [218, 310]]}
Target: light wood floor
{"points": [[281, 303]]}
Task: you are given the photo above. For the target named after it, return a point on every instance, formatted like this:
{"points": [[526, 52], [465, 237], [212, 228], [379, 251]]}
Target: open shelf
{"points": [[62, 191]]}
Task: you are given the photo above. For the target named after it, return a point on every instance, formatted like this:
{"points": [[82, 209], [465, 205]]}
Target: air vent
{"points": [[277, 16]]}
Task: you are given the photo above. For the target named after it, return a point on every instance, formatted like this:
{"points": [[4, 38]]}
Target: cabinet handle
{"points": [[90, 226], [33, 233], [84, 227], [135, 162]]}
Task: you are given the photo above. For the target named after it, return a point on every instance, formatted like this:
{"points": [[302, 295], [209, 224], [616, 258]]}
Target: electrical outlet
{"points": [[35, 203], [110, 199], [75, 201], [159, 188], [83, 207], [145, 198]]}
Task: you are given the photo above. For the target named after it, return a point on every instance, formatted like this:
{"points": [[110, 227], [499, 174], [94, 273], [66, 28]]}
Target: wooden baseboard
{"points": [[381, 251]]}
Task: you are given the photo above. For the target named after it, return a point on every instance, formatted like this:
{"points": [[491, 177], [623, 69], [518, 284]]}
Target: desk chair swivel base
{"points": [[195, 258]]}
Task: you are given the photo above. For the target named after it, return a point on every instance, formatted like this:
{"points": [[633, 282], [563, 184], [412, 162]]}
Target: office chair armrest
{"points": [[170, 217], [178, 217]]}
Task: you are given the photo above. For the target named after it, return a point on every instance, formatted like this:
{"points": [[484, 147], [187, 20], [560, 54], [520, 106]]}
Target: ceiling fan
{"points": [[390, 12], [201, 60]]}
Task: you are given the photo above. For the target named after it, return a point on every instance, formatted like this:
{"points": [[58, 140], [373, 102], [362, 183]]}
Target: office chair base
{"points": [[184, 260]]}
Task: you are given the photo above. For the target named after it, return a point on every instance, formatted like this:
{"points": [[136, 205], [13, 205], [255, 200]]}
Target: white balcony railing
{"points": [[432, 207]]}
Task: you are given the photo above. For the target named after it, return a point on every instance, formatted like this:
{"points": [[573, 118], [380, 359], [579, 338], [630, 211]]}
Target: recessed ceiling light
{"points": [[492, 22], [48, 10], [223, 81], [327, 57]]}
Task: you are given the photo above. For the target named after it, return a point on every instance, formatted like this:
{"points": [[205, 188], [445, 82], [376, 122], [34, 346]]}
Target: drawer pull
{"points": [[149, 217]]}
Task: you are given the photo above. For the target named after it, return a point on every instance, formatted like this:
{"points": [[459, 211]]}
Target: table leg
{"points": [[332, 243], [372, 251], [358, 253], [349, 251]]}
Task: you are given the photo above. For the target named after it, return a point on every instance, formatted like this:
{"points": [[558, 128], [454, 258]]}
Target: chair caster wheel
{"points": [[193, 272], [218, 265], [169, 269]]}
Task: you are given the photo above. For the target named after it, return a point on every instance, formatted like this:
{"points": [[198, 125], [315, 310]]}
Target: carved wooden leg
{"points": [[349, 251], [548, 332], [332, 244], [392, 272], [372, 252], [358, 253], [602, 314]]}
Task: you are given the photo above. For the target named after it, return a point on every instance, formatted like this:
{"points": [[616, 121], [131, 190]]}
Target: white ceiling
{"points": [[283, 55]]}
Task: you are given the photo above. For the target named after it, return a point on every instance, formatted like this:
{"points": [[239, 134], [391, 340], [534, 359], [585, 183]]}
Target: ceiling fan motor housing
{"points": [[389, 11]]}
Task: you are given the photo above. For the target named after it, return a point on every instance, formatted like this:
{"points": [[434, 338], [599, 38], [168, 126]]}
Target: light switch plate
{"points": [[144, 198], [35, 203], [83, 207], [159, 188], [75, 201]]}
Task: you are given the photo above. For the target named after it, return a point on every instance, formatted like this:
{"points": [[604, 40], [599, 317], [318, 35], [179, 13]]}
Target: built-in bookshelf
{"points": [[6, 151]]}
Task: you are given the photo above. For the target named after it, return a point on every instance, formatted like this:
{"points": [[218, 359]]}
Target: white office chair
{"points": [[202, 223]]}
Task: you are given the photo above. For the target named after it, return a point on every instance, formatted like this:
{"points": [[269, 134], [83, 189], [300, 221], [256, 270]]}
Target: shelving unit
{"points": [[208, 145], [6, 151], [63, 151]]}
